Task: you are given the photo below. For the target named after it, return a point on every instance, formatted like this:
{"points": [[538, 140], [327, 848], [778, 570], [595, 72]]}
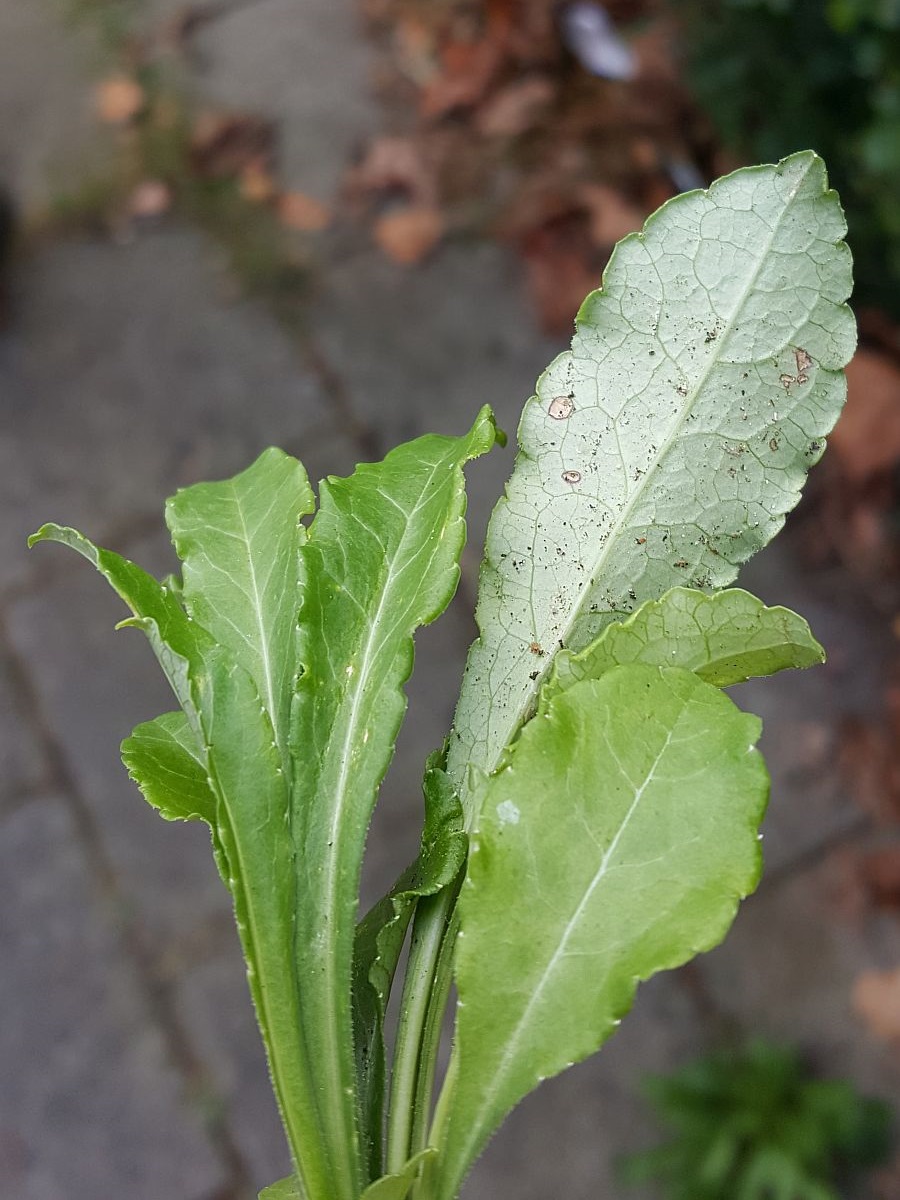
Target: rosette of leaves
{"points": [[596, 777]]}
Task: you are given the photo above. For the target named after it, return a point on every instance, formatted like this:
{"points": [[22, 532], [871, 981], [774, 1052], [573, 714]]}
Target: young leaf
{"points": [[284, 1189], [667, 446], [725, 638], [622, 831], [235, 737], [164, 760], [239, 542], [379, 941], [253, 813], [178, 643], [397, 1187], [381, 559]]}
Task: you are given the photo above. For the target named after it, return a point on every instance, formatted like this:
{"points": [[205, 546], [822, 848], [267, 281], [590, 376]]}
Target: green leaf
{"points": [[178, 643], [397, 1187], [164, 760], [379, 942], [235, 737], [253, 815], [623, 831], [284, 1189], [381, 559], [725, 638], [667, 446], [239, 542]]}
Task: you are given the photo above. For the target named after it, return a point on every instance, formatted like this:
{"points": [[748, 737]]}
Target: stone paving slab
{"points": [[21, 762], [94, 685], [213, 1003], [90, 1107], [566, 1138], [49, 140], [787, 970], [421, 351], [802, 711], [305, 65], [128, 372]]}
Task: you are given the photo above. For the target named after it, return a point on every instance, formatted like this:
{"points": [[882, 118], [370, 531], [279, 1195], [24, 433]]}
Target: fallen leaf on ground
{"points": [[611, 215], [409, 235], [257, 183], [414, 48], [223, 144], [881, 875], [876, 998], [869, 760], [393, 164], [464, 83], [298, 211], [151, 198], [118, 100], [516, 108], [561, 268], [866, 439], [653, 51]]}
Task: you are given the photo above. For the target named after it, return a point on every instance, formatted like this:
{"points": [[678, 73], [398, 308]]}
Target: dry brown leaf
{"points": [[881, 875], [223, 144], [869, 760], [118, 100], [611, 215], [298, 211], [516, 108], [257, 183], [866, 439], [415, 48], [653, 49], [151, 198], [561, 271], [394, 164], [473, 66], [876, 998], [409, 235]]}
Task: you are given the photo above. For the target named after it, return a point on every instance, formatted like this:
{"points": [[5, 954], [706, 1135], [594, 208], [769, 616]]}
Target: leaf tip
{"points": [[46, 533]]}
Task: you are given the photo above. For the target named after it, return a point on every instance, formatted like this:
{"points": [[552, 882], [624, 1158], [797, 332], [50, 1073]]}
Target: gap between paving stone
{"points": [[306, 65], [92, 1103], [107, 883], [125, 374]]}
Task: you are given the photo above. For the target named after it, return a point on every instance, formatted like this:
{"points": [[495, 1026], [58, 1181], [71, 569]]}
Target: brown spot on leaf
{"points": [[561, 408]]}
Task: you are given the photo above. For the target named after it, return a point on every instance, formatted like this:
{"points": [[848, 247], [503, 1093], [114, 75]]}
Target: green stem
{"points": [[416, 1046], [431, 1035], [424, 1187]]}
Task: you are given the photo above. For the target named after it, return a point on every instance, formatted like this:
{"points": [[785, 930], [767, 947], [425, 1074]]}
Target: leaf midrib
{"points": [[338, 826], [498, 1075], [263, 638], [649, 477]]}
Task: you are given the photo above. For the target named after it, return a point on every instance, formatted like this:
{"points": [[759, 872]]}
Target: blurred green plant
{"points": [[776, 73], [751, 1124]]}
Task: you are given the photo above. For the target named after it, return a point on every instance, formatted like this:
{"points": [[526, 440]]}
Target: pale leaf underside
{"points": [[667, 446]]}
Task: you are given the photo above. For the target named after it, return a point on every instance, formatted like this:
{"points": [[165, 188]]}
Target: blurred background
{"points": [[332, 225]]}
